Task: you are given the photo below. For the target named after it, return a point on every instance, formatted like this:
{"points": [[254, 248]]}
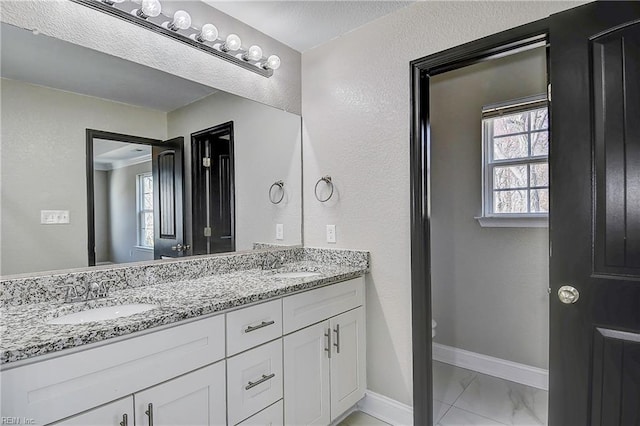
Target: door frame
{"points": [[91, 218], [490, 47], [197, 188]]}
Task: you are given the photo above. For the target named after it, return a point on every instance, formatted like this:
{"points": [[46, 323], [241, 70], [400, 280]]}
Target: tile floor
{"points": [[465, 398]]}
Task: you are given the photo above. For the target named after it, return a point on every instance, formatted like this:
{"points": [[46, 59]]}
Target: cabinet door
{"points": [[348, 361], [197, 398], [119, 412], [306, 376]]}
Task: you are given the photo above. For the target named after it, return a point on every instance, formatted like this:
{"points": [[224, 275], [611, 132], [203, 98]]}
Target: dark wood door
{"points": [[213, 190], [595, 215], [168, 193]]}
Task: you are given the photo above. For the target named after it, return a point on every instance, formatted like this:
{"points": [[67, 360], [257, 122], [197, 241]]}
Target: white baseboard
{"points": [[508, 370], [386, 409]]}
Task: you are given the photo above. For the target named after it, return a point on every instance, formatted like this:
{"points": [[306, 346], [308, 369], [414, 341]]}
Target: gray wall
{"points": [[489, 285], [101, 215], [355, 104], [123, 233], [267, 149], [43, 167]]}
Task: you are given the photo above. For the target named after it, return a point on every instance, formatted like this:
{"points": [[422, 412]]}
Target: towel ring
{"points": [[278, 184], [327, 180]]}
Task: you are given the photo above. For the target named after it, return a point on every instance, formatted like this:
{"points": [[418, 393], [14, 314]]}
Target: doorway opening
{"points": [[134, 198], [213, 190], [423, 159], [490, 240]]}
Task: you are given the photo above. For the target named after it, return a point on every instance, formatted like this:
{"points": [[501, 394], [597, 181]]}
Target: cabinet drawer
{"points": [[270, 416], [56, 388], [254, 381], [310, 307], [253, 326]]}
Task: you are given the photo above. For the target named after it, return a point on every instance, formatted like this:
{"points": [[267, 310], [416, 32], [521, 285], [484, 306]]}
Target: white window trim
{"points": [[488, 219], [139, 195]]}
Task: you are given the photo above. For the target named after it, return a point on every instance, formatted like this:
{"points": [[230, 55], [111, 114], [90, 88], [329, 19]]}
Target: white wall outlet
{"points": [[279, 231], [331, 233], [54, 217]]}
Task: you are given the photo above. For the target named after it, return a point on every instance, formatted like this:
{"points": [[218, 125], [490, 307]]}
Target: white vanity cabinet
{"points": [[197, 398], [295, 360], [115, 413], [324, 364]]}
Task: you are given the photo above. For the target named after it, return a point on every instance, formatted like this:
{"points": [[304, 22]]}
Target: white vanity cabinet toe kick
{"points": [[180, 376]]}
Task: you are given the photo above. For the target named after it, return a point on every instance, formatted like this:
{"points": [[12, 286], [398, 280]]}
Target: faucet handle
{"points": [[71, 294]]}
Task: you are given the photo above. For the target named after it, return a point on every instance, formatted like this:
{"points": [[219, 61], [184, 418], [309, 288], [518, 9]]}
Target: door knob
{"points": [[568, 294]]}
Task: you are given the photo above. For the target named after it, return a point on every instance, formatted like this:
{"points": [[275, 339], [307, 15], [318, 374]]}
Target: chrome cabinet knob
{"points": [[568, 294]]}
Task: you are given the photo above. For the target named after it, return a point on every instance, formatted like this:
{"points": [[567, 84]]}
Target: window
{"points": [[144, 190], [516, 152]]}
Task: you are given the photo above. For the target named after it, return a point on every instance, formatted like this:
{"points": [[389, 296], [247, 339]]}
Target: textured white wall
{"points": [[489, 285], [266, 148], [93, 29], [44, 168], [355, 104]]}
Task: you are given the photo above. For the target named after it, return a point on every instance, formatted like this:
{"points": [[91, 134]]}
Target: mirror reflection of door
{"points": [[135, 198], [213, 190]]}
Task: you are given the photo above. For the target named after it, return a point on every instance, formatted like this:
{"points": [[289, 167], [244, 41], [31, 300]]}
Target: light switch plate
{"points": [[54, 217], [279, 231], [331, 233]]}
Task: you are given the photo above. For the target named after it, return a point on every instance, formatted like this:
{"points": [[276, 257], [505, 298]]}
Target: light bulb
{"points": [[273, 63], [209, 32], [232, 43], [148, 9], [253, 54], [181, 21]]}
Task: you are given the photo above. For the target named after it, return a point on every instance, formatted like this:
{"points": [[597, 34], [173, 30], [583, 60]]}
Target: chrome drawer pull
{"points": [[125, 420], [262, 380], [149, 413], [328, 348], [337, 343], [259, 326]]}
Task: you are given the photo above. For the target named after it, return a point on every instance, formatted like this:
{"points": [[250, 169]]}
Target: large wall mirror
{"points": [[106, 161]]}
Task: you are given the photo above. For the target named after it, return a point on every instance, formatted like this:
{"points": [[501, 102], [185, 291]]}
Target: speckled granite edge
{"points": [[44, 288]]}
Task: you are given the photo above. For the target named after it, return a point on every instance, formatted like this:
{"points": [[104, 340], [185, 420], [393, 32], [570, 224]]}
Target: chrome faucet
{"points": [[273, 262], [91, 290]]}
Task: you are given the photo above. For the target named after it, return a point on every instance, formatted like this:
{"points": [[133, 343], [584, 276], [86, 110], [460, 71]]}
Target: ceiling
{"points": [[109, 154], [50, 62], [303, 25]]}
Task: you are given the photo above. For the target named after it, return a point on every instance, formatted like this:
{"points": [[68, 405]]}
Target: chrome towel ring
{"points": [[273, 197], [327, 180]]}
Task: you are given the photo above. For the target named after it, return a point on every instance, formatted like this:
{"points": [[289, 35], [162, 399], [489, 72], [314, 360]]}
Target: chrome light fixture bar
{"points": [[147, 14]]}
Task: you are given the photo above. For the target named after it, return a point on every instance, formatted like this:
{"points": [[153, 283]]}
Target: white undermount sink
{"points": [[102, 314], [297, 274]]}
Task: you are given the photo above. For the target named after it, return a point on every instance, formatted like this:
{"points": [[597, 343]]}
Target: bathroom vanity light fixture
{"points": [[149, 14]]}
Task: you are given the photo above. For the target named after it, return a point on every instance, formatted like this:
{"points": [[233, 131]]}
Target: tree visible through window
{"points": [[145, 209], [516, 151]]}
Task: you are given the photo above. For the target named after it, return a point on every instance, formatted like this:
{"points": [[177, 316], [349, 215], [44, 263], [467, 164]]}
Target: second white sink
{"points": [[102, 314]]}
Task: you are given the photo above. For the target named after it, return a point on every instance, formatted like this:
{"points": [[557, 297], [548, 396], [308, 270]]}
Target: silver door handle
{"points": [[337, 343], [328, 336], [251, 328], [149, 413], [262, 380], [568, 294], [125, 420]]}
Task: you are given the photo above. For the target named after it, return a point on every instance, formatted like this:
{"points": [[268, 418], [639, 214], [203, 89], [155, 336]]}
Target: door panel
{"points": [[594, 219], [168, 192], [114, 413]]}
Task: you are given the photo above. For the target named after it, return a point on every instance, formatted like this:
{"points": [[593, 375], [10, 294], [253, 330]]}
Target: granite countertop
{"points": [[25, 333]]}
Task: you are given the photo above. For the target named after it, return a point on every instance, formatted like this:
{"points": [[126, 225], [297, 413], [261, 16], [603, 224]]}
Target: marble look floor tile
{"points": [[458, 417], [449, 381], [506, 402], [439, 410], [358, 418]]}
